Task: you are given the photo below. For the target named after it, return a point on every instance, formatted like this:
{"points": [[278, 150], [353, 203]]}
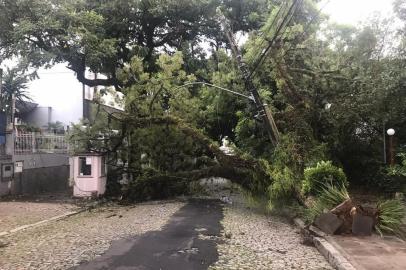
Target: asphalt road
{"points": [[176, 247]]}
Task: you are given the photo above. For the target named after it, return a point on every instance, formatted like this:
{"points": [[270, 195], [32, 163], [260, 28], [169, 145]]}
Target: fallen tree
{"points": [[251, 174], [162, 139]]}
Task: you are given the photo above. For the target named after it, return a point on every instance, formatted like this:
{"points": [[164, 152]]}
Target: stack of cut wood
{"points": [[348, 218]]}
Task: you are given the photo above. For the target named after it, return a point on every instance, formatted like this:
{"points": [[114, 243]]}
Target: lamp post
{"points": [[390, 133]]}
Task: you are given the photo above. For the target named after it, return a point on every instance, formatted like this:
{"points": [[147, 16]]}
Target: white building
{"points": [[59, 96]]}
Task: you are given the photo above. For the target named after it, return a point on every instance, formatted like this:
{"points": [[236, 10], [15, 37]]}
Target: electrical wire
{"points": [[305, 29], [283, 24], [262, 35]]}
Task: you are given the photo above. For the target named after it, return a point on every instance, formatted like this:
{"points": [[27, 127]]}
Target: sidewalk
{"points": [[373, 252]]}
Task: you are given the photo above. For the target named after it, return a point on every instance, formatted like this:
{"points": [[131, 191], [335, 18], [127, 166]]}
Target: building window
{"points": [[103, 166], [85, 166]]}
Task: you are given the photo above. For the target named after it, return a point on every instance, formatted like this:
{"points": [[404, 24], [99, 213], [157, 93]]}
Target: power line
{"points": [[275, 19], [283, 24], [290, 16], [306, 28], [218, 87]]}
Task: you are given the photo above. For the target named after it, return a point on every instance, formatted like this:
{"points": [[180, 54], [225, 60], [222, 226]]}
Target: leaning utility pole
{"points": [[264, 111]]}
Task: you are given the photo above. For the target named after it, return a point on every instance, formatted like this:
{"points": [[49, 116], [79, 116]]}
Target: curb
{"points": [[324, 246], [333, 256]]}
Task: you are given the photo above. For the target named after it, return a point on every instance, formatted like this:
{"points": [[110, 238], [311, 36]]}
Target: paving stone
{"points": [[261, 242]]}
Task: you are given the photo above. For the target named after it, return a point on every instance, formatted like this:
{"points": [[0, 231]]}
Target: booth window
{"points": [[85, 166]]}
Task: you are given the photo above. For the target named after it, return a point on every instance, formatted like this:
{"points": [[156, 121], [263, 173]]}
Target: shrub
{"points": [[390, 215], [285, 171], [287, 164], [329, 197], [315, 178]]}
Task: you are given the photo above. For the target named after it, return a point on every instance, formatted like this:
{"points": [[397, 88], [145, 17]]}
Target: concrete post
{"points": [[33, 142], [9, 142]]}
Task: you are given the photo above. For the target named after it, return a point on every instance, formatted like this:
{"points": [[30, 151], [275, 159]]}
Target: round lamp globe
{"points": [[390, 132]]}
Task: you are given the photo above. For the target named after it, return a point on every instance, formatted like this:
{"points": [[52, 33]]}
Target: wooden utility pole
{"points": [[263, 109]]}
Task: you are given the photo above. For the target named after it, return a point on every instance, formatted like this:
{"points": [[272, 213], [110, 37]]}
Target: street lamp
{"points": [[390, 133]]}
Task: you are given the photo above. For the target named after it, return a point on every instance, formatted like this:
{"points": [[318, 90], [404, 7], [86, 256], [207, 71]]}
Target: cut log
{"points": [[328, 223], [362, 225], [343, 212]]}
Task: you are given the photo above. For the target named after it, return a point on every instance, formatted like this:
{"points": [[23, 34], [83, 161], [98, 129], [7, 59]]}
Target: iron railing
{"points": [[28, 143]]}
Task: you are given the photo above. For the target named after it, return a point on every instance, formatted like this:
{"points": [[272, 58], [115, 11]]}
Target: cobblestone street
{"points": [[66, 243], [255, 241], [18, 213], [249, 240]]}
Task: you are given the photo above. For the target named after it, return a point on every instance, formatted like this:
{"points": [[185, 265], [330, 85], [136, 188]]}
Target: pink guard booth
{"points": [[89, 175]]}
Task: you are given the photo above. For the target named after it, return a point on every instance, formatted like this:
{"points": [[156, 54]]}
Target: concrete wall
{"points": [[41, 173], [42, 160], [44, 180]]}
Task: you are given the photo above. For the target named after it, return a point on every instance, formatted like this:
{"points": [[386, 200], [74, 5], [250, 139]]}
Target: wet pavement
{"points": [[373, 252], [178, 245]]}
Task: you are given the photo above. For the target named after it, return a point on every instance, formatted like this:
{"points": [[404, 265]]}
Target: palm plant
{"points": [[329, 196], [391, 213], [14, 83]]}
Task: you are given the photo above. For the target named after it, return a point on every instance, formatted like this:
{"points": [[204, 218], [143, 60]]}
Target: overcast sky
{"points": [[52, 88], [354, 11]]}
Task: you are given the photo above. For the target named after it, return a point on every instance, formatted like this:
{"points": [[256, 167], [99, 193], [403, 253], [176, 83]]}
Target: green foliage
{"points": [[390, 215], [56, 127], [28, 128], [166, 150], [285, 170], [256, 202], [328, 197], [287, 163], [15, 83], [398, 169], [392, 178], [323, 173]]}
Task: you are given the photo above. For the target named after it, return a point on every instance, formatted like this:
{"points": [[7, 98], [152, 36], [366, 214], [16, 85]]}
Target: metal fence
{"points": [[27, 143]]}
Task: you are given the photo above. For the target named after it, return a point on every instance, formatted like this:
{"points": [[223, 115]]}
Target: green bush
{"points": [[391, 213], [315, 178], [329, 197], [285, 170], [287, 165]]}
